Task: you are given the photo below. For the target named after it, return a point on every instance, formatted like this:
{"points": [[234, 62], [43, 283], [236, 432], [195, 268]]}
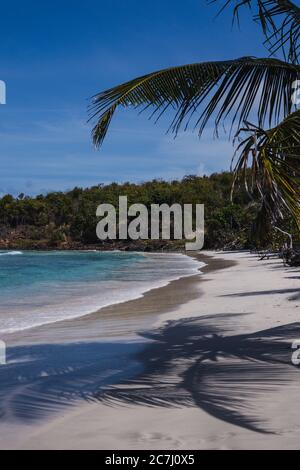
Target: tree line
{"points": [[67, 220]]}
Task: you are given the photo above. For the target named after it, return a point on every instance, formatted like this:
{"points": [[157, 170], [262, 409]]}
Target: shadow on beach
{"points": [[194, 362], [197, 362], [42, 379]]}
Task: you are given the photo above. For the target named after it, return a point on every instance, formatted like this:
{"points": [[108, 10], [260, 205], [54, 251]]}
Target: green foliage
{"points": [[68, 220]]}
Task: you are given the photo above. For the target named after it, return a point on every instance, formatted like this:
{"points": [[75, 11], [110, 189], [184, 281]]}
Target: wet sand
{"points": [[124, 320]]}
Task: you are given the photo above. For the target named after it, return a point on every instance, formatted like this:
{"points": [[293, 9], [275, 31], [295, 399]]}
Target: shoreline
{"points": [[121, 320], [218, 364]]}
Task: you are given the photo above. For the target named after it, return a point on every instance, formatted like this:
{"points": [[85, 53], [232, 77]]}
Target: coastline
{"points": [[107, 333], [122, 320], [218, 362]]}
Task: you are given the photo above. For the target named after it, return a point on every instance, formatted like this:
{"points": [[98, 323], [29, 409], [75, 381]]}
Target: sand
{"points": [[217, 371]]}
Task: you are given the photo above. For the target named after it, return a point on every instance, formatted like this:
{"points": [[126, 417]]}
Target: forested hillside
{"points": [[67, 220]]}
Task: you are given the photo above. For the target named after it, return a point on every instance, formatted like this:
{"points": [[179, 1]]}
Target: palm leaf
{"points": [[274, 159], [232, 88], [280, 22]]}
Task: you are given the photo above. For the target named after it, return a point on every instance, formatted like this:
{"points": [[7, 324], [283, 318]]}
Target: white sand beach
{"points": [[218, 376]]}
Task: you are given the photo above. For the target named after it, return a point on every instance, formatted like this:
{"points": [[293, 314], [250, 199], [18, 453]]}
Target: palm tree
{"points": [[238, 90]]}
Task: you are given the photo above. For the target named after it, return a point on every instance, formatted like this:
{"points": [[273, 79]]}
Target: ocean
{"points": [[38, 288]]}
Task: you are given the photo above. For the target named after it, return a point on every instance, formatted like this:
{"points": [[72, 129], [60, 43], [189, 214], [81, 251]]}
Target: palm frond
{"points": [[232, 88], [280, 22], [274, 160]]}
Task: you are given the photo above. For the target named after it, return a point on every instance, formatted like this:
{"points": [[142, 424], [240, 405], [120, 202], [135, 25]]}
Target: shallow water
{"points": [[38, 288]]}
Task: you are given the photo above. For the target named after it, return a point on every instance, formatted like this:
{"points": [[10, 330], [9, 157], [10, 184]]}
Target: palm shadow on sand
{"points": [[43, 379], [196, 362]]}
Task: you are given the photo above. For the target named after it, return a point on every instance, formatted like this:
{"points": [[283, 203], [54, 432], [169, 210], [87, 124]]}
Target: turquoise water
{"points": [[37, 288]]}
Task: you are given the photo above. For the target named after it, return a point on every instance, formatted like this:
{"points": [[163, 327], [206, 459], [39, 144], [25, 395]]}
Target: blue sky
{"points": [[56, 54]]}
